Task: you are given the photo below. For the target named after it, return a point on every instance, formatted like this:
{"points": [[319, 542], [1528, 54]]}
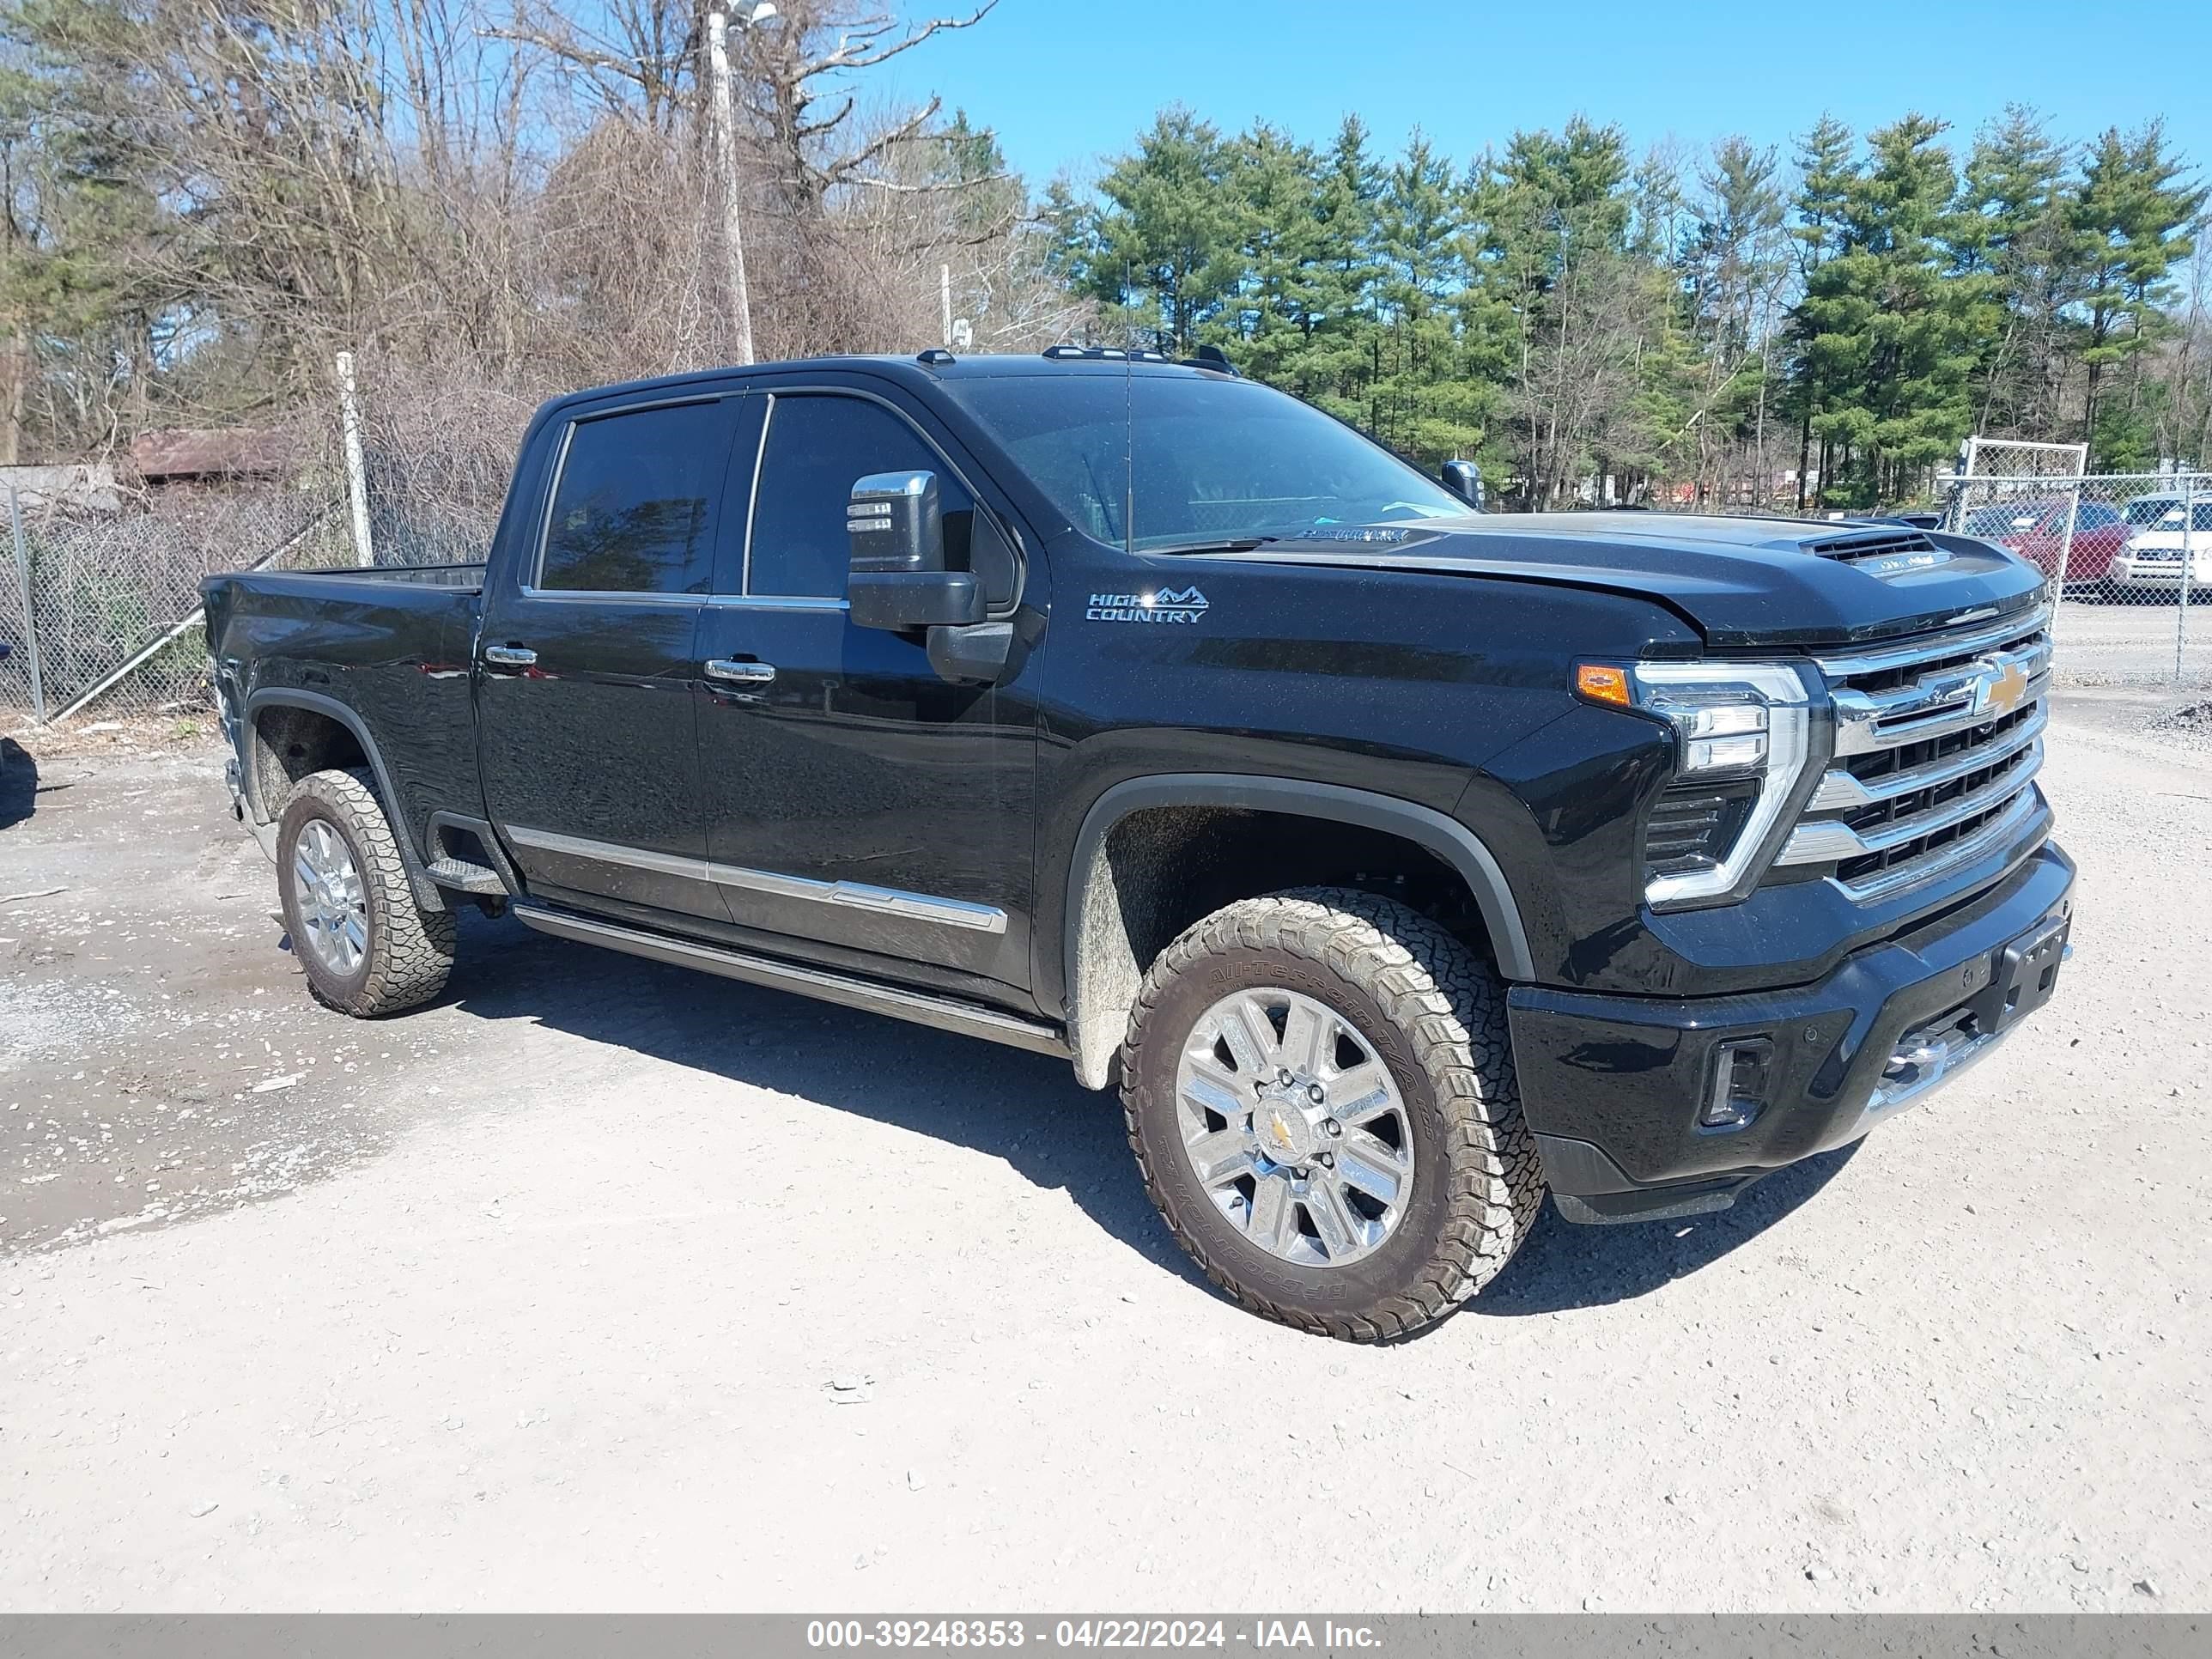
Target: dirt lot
{"points": [[536, 1298]]}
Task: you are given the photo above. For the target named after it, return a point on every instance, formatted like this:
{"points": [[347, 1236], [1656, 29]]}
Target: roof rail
{"points": [[934, 356], [1103, 354], [1213, 357]]}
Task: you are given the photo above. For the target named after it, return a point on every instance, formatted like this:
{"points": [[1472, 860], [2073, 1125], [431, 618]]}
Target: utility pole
{"points": [[725, 160]]}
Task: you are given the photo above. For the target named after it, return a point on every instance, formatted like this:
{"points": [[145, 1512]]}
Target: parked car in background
{"points": [[2036, 529], [2164, 532]]}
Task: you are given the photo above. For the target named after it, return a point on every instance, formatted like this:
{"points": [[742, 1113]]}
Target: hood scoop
{"points": [[1883, 553]]}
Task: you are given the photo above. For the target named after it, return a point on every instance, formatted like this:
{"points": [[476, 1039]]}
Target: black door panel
{"points": [[591, 760], [589, 671], [858, 799], [855, 799]]}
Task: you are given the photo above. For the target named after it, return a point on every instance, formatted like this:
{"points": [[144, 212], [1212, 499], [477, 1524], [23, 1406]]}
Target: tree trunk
{"points": [[14, 389]]}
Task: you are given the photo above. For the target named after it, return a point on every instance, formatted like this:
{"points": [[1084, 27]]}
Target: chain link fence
{"points": [[2129, 555], [101, 611]]}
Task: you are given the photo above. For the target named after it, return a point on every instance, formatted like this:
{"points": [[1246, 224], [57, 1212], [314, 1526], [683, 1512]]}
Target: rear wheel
{"points": [[1320, 1092], [367, 947]]}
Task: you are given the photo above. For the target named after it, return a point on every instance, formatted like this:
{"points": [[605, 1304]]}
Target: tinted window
{"points": [[817, 447], [634, 512], [2096, 518]]}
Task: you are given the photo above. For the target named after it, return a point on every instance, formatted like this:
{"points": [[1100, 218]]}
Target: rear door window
{"points": [[635, 509]]}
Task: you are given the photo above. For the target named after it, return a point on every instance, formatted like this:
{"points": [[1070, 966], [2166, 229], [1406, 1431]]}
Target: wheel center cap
{"points": [[1282, 1130]]}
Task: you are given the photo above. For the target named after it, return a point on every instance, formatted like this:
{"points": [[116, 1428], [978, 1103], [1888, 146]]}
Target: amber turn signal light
{"points": [[1603, 683]]}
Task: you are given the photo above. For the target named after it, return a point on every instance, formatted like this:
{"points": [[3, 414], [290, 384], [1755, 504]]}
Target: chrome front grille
{"points": [[1938, 742]]}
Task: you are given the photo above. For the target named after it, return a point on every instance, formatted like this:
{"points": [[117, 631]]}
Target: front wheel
{"points": [[367, 947], [1319, 1089]]}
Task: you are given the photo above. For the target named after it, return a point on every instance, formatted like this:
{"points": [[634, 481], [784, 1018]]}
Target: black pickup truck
{"points": [[1396, 862]]}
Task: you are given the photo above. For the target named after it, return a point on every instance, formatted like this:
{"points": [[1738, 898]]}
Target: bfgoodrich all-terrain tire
{"points": [[367, 947], [1319, 1093]]}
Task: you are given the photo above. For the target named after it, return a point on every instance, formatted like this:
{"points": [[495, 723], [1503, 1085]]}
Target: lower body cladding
{"points": [[1648, 1108]]}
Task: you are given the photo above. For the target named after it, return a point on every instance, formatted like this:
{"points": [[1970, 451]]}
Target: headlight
{"points": [[1742, 741]]}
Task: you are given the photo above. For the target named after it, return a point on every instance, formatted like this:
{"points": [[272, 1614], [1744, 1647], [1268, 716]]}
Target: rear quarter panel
{"points": [[393, 647]]}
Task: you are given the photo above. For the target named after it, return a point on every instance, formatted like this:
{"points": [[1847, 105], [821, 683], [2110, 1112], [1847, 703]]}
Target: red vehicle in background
{"points": [[2036, 529]]}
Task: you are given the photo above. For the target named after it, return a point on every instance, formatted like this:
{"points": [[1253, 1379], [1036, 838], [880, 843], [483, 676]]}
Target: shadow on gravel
{"points": [[1565, 1265], [19, 783], [1021, 1108], [1025, 1108]]}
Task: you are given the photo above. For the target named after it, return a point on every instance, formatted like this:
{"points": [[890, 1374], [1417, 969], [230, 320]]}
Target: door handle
{"points": [[510, 656], [741, 673]]}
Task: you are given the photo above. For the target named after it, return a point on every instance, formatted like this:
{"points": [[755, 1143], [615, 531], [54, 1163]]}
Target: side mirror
{"points": [[1464, 480], [898, 575]]}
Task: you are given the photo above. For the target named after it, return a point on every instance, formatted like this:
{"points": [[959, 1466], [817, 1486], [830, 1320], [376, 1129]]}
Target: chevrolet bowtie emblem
{"points": [[2001, 689]]}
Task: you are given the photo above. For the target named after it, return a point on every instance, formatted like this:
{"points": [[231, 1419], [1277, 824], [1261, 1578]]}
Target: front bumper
{"points": [[2137, 570], [1613, 1086]]}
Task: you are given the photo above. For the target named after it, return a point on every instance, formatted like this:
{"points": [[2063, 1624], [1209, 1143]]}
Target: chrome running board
{"points": [[946, 1014]]}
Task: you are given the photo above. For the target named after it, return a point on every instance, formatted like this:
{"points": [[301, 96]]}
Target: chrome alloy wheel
{"points": [[333, 906], [1294, 1127]]}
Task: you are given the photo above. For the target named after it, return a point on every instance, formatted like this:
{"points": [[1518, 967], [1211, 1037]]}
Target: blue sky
{"points": [[1065, 82]]}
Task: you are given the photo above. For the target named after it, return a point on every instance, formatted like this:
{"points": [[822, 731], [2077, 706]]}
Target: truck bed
{"points": [[387, 650]]}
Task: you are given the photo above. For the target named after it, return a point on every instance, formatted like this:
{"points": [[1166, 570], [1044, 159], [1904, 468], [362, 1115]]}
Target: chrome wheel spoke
{"points": [[1364, 1093], [1244, 1026], [1274, 1221], [1370, 1165], [1308, 1030], [1206, 1083], [1332, 1221], [1221, 1156]]}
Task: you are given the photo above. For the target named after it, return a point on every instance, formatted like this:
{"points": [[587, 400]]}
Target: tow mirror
{"points": [[1464, 480], [898, 575]]}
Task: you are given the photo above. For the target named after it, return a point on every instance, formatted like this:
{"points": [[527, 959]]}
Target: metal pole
{"points": [[364, 554], [30, 624], [2066, 540], [2188, 569], [945, 302], [725, 159]]}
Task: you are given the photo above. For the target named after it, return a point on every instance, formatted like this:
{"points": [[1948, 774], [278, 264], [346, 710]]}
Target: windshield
{"points": [[2200, 514], [2009, 519], [1198, 461]]}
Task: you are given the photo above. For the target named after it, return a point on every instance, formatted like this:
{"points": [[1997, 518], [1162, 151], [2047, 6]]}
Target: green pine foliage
{"points": [[1734, 330]]}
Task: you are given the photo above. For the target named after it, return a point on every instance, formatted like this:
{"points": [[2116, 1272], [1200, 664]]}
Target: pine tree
{"points": [[1828, 165], [2135, 213], [1280, 306], [1891, 339], [1161, 250], [1420, 403], [1339, 361], [2021, 259]]}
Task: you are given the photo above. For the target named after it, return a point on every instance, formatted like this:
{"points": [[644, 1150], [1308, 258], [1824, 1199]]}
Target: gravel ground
{"points": [[2139, 639], [603, 1285]]}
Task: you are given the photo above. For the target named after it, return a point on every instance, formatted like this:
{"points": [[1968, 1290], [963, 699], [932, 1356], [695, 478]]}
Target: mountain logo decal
{"points": [[1172, 607]]}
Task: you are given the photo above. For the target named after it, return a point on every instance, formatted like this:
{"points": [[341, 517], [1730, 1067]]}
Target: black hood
{"points": [[1741, 581]]}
